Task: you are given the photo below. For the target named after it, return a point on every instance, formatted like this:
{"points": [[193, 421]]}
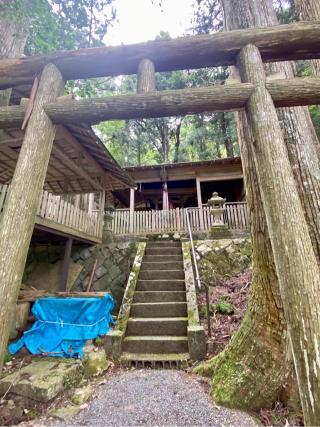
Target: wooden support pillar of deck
{"points": [[66, 265], [132, 191], [20, 210], [199, 199], [165, 197]]}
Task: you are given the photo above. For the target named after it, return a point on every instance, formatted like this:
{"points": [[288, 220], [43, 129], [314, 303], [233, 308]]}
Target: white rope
{"points": [[62, 323]]}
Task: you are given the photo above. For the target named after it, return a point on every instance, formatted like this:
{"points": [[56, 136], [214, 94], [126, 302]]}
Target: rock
{"points": [[224, 257], [85, 254], [114, 272], [165, 236], [95, 363], [204, 249], [10, 413], [100, 271], [42, 380], [65, 413], [81, 395], [52, 275]]}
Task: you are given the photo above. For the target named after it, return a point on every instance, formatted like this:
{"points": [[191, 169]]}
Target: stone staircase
{"points": [[157, 325]]}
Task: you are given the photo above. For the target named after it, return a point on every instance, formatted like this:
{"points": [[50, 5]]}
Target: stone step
{"points": [[155, 326], [165, 243], [160, 285], [161, 274], [168, 250], [165, 360], [155, 344], [159, 296], [158, 309], [169, 265], [162, 258]]}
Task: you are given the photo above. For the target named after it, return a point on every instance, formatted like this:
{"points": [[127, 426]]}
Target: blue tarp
{"points": [[64, 324]]}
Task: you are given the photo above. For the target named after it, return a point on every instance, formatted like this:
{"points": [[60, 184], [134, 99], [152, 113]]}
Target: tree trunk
{"points": [[13, 41], [295, 261], [309, 10], [300, 137], [19, 212], [177, 143], [240, 378], [225, 134]]}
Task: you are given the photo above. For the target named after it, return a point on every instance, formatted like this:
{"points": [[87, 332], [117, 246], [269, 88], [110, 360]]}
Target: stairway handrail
{"points": [[195, 263]]}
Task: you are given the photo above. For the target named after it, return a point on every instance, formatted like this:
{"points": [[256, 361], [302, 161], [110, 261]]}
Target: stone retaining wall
{"points": [[222, 258], [114, 262]]}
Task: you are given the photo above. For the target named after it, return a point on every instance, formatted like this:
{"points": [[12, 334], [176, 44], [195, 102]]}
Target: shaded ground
{"points": [[235, 291], [155, 398]]}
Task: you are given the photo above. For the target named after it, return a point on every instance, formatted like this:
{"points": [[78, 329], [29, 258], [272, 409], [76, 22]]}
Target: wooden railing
{"points": [[60, 211], [174, 220]]}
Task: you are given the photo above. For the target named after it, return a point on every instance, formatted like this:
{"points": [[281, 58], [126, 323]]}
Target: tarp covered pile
{"points": [[63, 325]]}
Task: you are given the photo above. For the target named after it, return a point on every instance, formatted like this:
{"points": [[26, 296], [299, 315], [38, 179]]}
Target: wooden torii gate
{"points": [[295, 261]]}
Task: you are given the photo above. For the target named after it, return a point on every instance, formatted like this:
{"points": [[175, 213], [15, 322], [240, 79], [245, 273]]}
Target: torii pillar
{"points": [[18, 217]]}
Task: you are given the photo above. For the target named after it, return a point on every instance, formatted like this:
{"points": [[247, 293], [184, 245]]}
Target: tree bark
{"points": [[294, 257], [309, 10], [177, 142], [240, 377], [146, 79], [252, 369], [13, 41], [226, 137], [19, 212], [190, 52]]}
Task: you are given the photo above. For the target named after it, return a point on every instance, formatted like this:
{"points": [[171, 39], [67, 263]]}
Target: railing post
{"points": [[132, 191], [199, 198]]}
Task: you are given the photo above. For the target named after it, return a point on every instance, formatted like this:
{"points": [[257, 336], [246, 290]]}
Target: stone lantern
{"points": [[107, 221], [216, 210]]}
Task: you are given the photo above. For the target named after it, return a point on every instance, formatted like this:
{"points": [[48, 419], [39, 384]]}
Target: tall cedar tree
{"points": [[240, 377]]}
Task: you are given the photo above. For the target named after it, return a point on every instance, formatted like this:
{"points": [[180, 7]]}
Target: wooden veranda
{"points": [[294, 258]]}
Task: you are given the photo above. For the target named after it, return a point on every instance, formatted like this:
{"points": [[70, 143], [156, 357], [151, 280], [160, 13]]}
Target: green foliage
{"points": [[7, 358], [223, 306], [172, 139], [58, 24]]}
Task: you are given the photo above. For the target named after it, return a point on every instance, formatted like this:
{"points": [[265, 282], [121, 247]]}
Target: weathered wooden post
{"points": [[19, 213], [199, 199], [295, 261], [145, 83], [66, 265], [146, 77], [131, 217]]}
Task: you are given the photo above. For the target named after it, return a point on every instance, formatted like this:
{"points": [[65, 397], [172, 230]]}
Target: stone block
{"points": [[113, 344], [95, 363], [65, 413], [197, 342], [81, 395], [100, 271], [42, 380], [85, 254]]}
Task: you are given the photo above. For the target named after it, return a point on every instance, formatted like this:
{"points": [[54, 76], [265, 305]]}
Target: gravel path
{"points": [[156, 398]]}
